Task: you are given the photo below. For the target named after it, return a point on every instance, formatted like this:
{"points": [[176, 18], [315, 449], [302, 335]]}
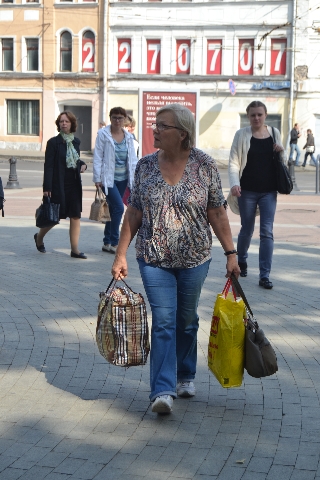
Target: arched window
{"points": [[88, 53], [65, 52]]}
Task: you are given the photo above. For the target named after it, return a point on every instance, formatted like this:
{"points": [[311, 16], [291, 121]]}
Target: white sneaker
{"points": [[109, 248], [186, 389], [162, 404]]}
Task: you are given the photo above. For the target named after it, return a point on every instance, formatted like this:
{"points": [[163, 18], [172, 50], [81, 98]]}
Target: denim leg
{"points": [[313, 158], [292, 149], [298, 152], [116, 207], [160, 285], [189, 285], [267, 205], [247, 206], [305, 159]]}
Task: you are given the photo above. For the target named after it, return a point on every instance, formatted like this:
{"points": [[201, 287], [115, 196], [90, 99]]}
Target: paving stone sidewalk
{"points": [[66, 414]]}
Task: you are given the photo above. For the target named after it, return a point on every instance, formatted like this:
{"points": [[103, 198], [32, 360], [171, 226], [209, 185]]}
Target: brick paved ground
{"points": [[67, 414]]}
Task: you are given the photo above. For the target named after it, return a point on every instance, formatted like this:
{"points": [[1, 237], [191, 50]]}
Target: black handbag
{"points": [[284, 182], [260, 358], [47, 215]]}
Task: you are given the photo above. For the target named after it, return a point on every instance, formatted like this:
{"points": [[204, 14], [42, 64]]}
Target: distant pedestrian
{"points": [[62, 179], [102, 124], [130, 125], [310, 148], [252, 178], [294, 135], [114, 163]]}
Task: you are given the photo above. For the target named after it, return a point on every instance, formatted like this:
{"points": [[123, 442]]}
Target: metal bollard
{"points": [[292, 175], [317, 174], [13, 177]]}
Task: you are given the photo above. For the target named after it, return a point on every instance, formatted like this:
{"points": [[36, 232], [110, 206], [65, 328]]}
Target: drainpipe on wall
{"points": [[292, 63], [105, 61]]}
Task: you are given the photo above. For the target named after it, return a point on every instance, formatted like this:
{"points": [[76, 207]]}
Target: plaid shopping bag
{"points": [[122, 332]]}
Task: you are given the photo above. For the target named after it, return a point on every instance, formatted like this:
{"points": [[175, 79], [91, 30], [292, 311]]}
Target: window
{"points": [[65, 52], [23, 117], [7, 1], [88, 51], [272, 121], [32, 1], [7, 54], [32, 45]]}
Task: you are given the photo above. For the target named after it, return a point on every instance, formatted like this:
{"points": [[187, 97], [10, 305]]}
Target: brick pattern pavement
{"points": [[67, 414]]}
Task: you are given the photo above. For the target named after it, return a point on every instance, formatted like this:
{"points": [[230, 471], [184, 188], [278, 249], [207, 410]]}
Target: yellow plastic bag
{"points": [[227, 339]]}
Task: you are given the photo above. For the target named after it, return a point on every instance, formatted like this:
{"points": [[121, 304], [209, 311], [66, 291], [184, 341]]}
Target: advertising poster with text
{"points": [[150, 102]]}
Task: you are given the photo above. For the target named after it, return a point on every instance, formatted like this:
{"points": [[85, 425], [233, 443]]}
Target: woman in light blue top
{"points": [[114, 163]]}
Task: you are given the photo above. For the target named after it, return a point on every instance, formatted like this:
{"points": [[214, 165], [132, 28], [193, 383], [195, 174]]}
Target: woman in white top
{"points": [[114, 163], [252, 177]]}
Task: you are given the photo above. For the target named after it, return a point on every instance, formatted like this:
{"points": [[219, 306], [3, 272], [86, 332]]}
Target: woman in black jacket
{"points": [[62, 179], [309, 146]]}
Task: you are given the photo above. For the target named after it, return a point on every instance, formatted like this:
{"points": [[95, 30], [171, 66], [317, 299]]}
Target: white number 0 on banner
{"points": [[184, 57], [246, 48]]}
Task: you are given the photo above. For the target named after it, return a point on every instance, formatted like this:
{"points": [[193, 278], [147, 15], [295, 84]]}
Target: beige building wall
{"points": [[49, 85]]}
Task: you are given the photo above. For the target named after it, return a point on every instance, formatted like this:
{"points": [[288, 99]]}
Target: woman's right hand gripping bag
{"points": [[226, 349]]}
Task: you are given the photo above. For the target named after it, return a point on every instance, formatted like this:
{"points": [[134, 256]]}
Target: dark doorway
{"points": [[83, 132]]}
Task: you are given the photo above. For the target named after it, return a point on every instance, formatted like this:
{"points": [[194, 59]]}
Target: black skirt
{"points": [[72, 195]]}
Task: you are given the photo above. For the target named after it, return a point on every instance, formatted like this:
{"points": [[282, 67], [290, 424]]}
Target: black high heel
{"points": [[40, 248]]}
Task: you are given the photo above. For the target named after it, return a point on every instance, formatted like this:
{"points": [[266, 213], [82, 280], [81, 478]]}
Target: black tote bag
{"points": [[47, 215]]}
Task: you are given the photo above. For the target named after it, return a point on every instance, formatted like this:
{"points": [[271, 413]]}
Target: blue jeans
{"points": [[313, 158], [247, 205], [294, 147], [116, 207], [173, 296]]}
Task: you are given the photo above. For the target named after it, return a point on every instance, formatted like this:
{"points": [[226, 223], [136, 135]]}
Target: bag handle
{"points": [[113, 282], [252, 321], [227, 288], [98, 194], [239, 289]]}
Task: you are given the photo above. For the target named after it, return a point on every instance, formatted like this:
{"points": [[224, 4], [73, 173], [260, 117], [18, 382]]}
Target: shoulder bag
{"points": [[284, 182], [260, 358], [99, 210], [47, 215]]}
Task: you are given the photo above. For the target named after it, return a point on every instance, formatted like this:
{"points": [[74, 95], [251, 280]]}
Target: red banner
{"points": [[124, 55], [153, 56], [214, 57], [151, 102], [88, 54], [183, 56], [245, 66], [278, 57]]}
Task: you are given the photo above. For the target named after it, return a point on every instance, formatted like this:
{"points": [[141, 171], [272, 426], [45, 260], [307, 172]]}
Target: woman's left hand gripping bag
{"points": [[226, 349]]}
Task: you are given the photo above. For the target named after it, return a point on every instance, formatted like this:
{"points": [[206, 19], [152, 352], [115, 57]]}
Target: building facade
{"points": [[49, 61], [90, 56]]}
